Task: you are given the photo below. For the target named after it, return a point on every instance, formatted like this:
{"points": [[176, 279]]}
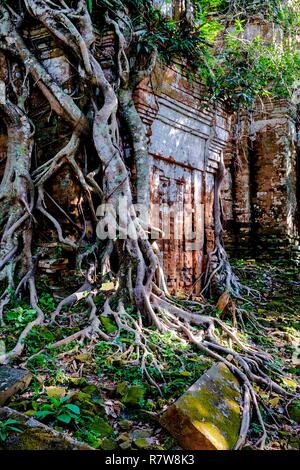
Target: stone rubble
{"points": [[208, 415]]}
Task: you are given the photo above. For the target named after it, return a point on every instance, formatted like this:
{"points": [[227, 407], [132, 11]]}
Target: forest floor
{"points": [[114, 405]]}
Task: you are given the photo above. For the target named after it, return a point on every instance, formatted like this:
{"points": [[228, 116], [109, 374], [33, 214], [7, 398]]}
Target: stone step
{"points": [[208, 415], [11, 381]]}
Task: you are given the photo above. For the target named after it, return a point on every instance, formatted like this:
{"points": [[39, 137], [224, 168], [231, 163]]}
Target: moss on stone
{"points": [[40, 439], [211, 406]]}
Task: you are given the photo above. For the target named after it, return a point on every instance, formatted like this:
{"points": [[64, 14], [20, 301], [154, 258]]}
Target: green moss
{"points": [[37, 438], [294, 411], [141, 443], [31, 439], [108, 324], [101, 426], [134, 395], [214, 409], [108, 444]]}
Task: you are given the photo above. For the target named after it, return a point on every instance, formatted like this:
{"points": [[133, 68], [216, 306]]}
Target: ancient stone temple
{"points": [[262, 183], [186, 143], [261, 191], [187, 140], [261, 153]]}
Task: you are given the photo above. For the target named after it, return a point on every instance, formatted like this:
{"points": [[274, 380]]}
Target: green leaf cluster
{"points": [[6, 427], [215, 47], [59, 410]]}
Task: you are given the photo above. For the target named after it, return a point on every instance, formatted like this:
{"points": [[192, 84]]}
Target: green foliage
{"points": [[246, 69], [6, 427], [180, 365], [108, 324], [38, 338], [232, 68], [47, 302], [272, 9], [59, 410], [20, 316], [176, 40], [41, 362], [131, 395], [210, 6], [256, 428], [123, 398], [90, 5], [294, 411]]}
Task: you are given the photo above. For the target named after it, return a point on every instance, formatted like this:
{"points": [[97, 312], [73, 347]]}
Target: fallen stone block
{"points": [[34, 435], [11, 381], [208, 415]]}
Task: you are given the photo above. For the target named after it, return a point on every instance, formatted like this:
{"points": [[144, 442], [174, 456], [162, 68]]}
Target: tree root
{"points": [[246, 366]]}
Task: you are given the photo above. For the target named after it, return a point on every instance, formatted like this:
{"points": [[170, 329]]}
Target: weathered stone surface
{"points": [[207, 416], [12, 380], [183, 159], [35, 435], [260, 194], [261, 190]]}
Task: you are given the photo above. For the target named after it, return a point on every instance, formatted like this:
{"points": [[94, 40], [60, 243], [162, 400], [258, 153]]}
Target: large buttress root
{"points": [[23, 189]]}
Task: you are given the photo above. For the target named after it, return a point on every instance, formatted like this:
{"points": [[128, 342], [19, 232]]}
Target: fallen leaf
{"points": [[55, 392], [84, 357], [290, 383], [223, 301], [274, 402], [107, 286]]}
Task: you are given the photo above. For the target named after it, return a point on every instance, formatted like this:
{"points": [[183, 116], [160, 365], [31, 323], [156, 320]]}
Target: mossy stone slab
{"points": [[34, 435], [11, 381], [208, 415]]}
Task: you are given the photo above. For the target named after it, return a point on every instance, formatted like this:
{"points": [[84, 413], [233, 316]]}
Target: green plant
{"points": [[38, 338], [231, 67], [6, 427], [41, 362], [20, 316], [47, 302], [59, 410], [256, 428], [90, 5]]}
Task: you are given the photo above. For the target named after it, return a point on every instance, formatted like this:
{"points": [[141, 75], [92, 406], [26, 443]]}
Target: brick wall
{"points": [[186, 142], [261, 208]]}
